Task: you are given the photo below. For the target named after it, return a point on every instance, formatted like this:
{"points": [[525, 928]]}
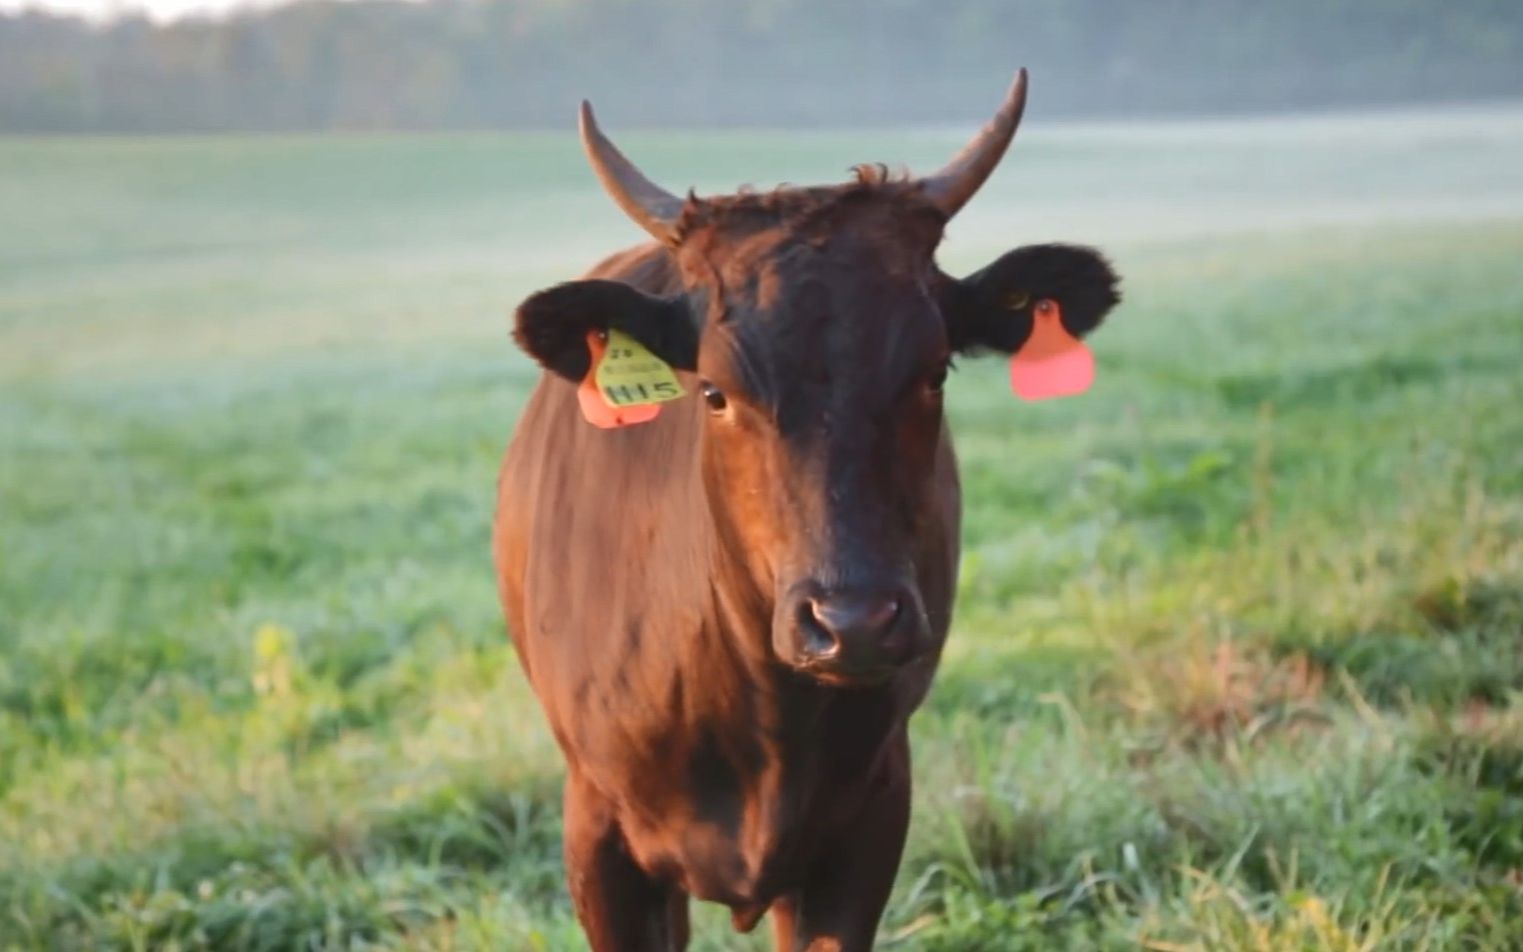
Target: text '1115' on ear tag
{"points": [[625, 383], [1052, 362]]}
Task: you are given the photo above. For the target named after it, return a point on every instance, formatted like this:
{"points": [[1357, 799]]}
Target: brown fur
{"points": [[792, 204]]}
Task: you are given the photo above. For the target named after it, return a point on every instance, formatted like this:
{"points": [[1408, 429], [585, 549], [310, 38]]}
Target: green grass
{"points": [[1239, 653]]}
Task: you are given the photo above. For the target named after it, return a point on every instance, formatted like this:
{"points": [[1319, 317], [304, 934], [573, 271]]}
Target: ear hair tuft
{"points": [[551, 325], [991, 308]]}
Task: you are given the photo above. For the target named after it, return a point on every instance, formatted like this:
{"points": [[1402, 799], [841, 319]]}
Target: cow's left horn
{"points": [[651, 206], [951, 187]]}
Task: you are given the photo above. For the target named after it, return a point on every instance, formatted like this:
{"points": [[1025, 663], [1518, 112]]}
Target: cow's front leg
{"points": [[839, 906], [621, 909]]}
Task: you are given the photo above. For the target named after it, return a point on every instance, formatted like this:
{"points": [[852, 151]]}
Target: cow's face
{"points": [[819, 332], [820, 365]]}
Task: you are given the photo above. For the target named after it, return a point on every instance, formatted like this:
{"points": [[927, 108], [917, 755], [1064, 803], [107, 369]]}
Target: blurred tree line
{"points": [[379, 64]]}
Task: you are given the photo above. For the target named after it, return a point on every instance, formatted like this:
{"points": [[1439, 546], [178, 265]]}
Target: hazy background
{"points": [[496, 64], [1238, 654]]}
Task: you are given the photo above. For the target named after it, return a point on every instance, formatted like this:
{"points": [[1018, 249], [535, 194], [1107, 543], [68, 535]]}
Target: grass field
{"points": [[1239, 654]]}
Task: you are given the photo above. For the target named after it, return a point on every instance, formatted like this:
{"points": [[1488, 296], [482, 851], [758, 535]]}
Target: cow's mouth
{"points": [[856, 679]]}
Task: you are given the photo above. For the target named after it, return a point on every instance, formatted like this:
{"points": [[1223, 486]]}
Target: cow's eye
{"points": [[714, 397], [936, 379]]}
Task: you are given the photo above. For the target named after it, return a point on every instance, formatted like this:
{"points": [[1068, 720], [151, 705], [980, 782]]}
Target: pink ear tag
{"points": [[1052, 362]]}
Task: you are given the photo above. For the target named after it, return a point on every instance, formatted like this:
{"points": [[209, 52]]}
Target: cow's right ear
{"points": [[551, 325], [993, 309]]}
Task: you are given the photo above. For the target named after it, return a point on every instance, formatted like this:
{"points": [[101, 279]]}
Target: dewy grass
{"points": [[1238, 657]]}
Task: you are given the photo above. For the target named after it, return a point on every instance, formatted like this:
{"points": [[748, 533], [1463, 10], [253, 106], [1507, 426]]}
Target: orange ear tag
{"points": [[1052, 362], [625, 383]]}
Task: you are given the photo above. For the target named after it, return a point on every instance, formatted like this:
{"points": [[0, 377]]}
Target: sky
{"points": [[157, 9]]}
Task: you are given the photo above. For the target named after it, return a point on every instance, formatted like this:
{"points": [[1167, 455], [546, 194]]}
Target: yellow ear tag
{"points": [[629, 375]]}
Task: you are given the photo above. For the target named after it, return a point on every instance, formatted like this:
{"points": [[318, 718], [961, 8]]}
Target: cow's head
{"points": [[820, 332]]}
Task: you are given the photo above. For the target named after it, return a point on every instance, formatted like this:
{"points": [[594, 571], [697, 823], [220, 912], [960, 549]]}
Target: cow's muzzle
{"points": [[860, 634]]}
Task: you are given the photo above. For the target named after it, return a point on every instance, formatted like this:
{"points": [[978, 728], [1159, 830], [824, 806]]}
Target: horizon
{"points": [[159, 11], [82, 66]]}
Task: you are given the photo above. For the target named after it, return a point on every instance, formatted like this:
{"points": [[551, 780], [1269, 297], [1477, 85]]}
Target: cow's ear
{"points": [[551, 325], [991, 310]]}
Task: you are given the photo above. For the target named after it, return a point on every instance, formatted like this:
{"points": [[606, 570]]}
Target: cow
{"points": [[728, 613]]}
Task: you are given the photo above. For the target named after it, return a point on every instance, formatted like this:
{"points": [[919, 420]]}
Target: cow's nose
{"points": [[856, 631], [855, 616]]}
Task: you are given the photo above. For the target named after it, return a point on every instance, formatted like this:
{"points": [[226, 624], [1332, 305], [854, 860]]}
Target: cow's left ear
{"points": [[551, 325], [992, 309]]}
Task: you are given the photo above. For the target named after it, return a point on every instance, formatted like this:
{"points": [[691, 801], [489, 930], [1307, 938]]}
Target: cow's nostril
{"points": [[820, 640]]}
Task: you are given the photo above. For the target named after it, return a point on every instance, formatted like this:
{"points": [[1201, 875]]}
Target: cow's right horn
{"points": [[952, 186], [648, 204]]}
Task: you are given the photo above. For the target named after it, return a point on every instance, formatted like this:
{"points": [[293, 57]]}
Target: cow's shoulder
{"points": [[603, 543]]}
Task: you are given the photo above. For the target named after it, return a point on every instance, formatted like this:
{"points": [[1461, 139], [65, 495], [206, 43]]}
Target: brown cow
{"points": [[729, 613]]}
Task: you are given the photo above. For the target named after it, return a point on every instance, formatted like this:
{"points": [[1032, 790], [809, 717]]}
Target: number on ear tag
{"points": [[626, 384], [629, 375], [1052, 362]]}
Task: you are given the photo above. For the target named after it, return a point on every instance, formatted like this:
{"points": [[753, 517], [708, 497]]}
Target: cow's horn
{"points": [[651, 206], [951, 187]]}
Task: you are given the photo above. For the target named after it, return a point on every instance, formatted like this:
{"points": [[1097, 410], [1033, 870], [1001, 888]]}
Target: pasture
{"points": [[1238, 661]]}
